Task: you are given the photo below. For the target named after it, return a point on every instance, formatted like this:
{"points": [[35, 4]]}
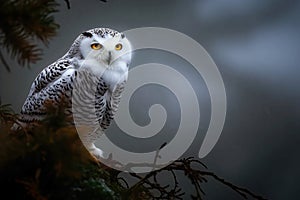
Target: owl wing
{"points": [[112, 103], [43, 89], [49, 75]]}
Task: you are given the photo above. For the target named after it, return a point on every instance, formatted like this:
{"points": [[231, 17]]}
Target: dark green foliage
{"points": [[23, 24], [93, 188], [6, 113], [50, 162]]}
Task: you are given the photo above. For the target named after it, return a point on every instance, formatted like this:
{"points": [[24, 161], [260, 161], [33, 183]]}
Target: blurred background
{"points": [[256, 47]]}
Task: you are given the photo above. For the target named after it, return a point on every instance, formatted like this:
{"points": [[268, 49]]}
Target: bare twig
{"points": [[242, 191], [68, 4], [196, 176]]}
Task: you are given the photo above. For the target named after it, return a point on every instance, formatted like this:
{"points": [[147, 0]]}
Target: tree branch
{"points": [[4, 62]]}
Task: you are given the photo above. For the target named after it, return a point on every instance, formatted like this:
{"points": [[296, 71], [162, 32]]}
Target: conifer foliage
{"points": [[23, 24]]}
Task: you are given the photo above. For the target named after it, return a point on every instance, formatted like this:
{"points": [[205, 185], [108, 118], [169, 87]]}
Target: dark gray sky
{"points": [[256, 47]]}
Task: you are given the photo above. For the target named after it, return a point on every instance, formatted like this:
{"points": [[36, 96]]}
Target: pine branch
{"points": [[58, 150], [190, 167], [22, 24], [6, 113]]}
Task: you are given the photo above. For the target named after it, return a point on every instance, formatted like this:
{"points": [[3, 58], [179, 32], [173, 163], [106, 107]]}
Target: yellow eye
{"points": [[118, 47], [96, 46]]}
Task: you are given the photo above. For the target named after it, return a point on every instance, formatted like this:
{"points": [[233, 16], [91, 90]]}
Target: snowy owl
{"points": [[89, 80]]}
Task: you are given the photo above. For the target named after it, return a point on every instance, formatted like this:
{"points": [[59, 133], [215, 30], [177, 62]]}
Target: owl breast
{"points": [[116, 74]]}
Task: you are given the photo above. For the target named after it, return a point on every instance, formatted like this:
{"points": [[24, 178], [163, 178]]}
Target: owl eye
{"points": [[96, 46], [118, 47]]}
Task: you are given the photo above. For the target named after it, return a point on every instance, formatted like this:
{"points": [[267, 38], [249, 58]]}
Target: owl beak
{"points": [[108, 60]]}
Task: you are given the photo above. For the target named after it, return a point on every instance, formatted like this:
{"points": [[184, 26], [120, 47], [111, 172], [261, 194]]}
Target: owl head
{"points": [[107, 47]]}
